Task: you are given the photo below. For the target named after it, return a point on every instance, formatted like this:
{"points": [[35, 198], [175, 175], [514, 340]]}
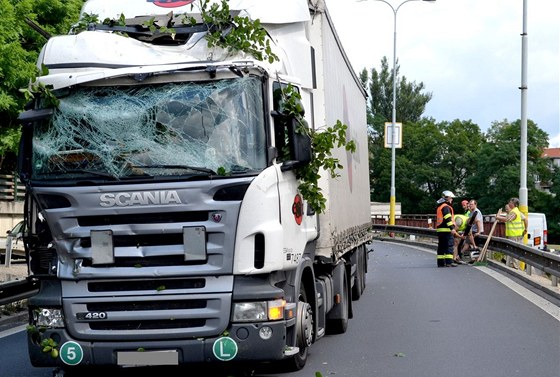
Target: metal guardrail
{"points": [[423, 220], [11, 188], [542, 260], [16, 290]]}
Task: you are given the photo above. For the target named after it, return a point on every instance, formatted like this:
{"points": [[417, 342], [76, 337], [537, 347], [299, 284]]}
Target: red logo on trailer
{"points": [[297, 209], [170, 3]]}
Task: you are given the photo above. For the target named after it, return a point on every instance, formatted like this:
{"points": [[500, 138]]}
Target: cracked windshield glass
{"points": [[173, 129]]}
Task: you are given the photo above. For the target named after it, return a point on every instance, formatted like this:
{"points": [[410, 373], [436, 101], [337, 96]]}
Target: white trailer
{"points": [[163, 215]]}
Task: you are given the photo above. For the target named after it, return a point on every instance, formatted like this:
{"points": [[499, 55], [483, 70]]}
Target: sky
{"points": [[468, 54]]}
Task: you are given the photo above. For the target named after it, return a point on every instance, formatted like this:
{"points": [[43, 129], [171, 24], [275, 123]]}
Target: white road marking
{"points": [[12, 331], [542, 303], [545, 305]]}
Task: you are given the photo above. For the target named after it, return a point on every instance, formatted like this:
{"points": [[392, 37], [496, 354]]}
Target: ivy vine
{"points": [[323, 141], [233, 33], [48, 345], [37, 89]]}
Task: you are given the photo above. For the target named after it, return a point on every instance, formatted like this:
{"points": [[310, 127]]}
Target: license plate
{"points": [[148, 358]]}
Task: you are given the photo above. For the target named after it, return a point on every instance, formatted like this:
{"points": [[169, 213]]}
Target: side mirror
{"points": [[300, 147], [27, 119], [300, 144]]}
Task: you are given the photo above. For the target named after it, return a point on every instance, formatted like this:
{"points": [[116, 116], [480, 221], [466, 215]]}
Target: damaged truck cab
{"points": [[164, 221]]}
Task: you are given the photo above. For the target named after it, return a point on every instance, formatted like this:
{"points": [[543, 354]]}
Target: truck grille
{"points": [[143, 285], [147, 309]]}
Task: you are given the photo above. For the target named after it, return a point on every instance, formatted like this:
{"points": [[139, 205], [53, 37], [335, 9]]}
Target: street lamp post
{"points": [[394, 113]]}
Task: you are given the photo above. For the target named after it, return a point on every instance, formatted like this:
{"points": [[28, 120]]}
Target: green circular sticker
{"points": [[71, 353], [225, 348]]}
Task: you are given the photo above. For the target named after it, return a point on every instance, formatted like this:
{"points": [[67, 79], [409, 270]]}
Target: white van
{"points": [[537, 232], [13, 244]]}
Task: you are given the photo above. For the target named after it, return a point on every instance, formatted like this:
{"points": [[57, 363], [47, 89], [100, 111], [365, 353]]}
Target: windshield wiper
{"points": [[186, 167], [238, 169], [92, 172]]}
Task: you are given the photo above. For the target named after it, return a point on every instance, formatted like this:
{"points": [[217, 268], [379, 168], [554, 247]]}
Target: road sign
{"points": [[389, 135]]}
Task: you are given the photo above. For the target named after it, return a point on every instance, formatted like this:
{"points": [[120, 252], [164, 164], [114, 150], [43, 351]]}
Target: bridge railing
{"points": [[11, 188], [428, 221], [546, 261]]}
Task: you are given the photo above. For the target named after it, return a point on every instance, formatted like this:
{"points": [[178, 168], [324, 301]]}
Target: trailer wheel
{"points": [[360, 278]]}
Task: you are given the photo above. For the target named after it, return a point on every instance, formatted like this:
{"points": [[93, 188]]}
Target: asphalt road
{"points": [[416, 320]]}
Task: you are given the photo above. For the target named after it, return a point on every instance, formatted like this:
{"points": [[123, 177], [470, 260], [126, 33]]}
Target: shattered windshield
{"points": [[174, 129]]}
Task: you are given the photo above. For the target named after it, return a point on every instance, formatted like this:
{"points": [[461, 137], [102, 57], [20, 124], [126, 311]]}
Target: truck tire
{"points": [[304, 334], [360, 278]]}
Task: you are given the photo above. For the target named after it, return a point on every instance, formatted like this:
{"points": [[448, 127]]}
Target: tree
{"points": [[20, 45], [454, 155], [498, 165], [411, 104], [435, 157], [551, 207]]}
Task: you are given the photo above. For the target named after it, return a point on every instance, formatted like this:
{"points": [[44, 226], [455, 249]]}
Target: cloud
{"points": [[468, 53], [555, 141]]}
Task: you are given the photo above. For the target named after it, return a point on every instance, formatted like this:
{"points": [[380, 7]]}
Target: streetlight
{"points": [[394, 115]]}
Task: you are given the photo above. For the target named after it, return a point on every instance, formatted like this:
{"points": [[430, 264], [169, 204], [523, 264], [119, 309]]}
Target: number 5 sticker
{"points": [[71, 353]]}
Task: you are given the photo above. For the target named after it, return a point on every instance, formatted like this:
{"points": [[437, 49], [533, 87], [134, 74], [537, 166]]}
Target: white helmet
{"points": [[448, 194]]}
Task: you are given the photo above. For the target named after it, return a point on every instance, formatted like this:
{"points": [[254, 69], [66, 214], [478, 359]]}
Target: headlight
{"points": [[258, 311], [48, 317]]}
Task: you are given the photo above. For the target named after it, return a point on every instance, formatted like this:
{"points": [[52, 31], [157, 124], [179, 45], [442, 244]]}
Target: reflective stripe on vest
{"points": [[444, 223], [515, 227]]}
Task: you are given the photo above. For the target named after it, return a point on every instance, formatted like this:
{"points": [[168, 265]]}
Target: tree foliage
{"points": [[411, 101], [436, 155], [452, 155], [498, 164], [20, 45]]}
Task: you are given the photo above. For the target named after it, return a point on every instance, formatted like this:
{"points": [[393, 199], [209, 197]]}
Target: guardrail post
{"points": [[8, 254], [15, 187]]}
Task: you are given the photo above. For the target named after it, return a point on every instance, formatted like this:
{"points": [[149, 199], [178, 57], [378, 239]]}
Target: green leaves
{"points": [[37, 89], [323, 141], [49, 345], [234, 33]]}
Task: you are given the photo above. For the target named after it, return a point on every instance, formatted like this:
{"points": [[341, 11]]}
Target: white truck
{"points": [[164, 221]]}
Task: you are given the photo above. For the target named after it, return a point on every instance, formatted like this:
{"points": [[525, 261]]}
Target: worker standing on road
{"points": [[445, 228], [516, 227]]}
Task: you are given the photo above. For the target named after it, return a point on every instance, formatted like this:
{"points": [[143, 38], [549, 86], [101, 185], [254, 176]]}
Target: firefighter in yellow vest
{"points": [[445, 228], [516, 227]]}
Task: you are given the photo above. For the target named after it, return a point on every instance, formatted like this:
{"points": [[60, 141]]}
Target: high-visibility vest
{"points": [[461, 222], [444, 223], [515, 227]]}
